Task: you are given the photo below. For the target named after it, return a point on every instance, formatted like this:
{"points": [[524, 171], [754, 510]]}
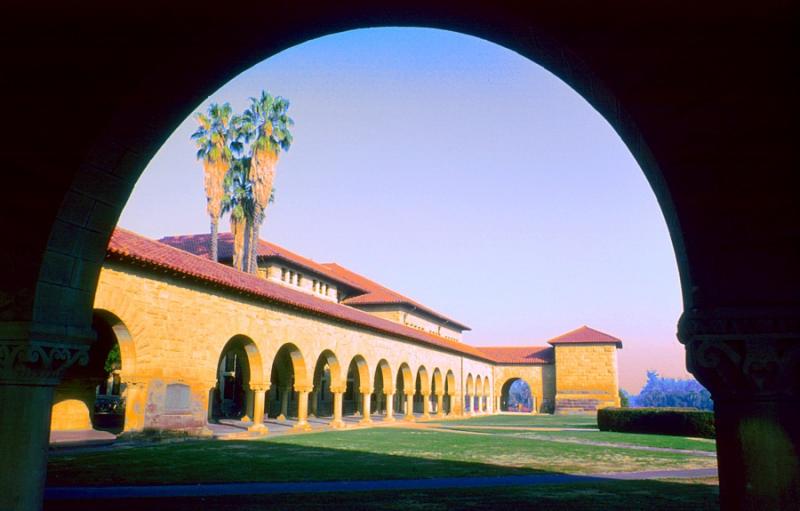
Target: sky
{"points": [[459, 173]]}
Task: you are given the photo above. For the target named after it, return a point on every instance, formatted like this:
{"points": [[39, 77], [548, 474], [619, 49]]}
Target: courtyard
{"points": [[492, 461]]}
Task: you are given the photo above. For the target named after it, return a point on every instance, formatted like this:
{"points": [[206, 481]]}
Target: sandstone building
{"points": [[200, 341]]}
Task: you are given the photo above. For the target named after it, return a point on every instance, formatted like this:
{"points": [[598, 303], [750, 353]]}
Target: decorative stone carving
{"points": [[38, 362], [735, 353]]}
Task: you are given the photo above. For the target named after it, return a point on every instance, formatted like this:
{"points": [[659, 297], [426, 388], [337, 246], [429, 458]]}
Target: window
{"points": [[283, 274], [299, 280]]}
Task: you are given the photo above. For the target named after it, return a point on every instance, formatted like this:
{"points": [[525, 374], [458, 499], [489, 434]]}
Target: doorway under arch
{"points": [[516, 396]]}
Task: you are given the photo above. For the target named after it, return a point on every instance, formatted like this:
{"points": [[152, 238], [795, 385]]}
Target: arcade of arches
{"points": [[200, 341], [705, 98]]}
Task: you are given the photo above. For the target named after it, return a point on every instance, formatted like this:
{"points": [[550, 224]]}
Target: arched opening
{"points": [[357, 386], [404, 386], [437, 393], [287, 379], [487, 393], [422, 390], [476, 398], [382, 388], [327, 376], [94, 396], [469, 393], [516, 396], [449, 392], [239, 374]]}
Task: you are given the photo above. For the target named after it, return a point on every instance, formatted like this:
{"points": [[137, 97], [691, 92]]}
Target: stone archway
{"points": [[327, 381], [289, 386], [357, 397], [518, 400], [94, 396], [239, 392], [728, 321], [383, 390], [469, 392], [449, 392], [404, 392]]}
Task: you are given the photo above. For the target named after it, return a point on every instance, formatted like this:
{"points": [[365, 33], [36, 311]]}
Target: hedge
{"points": [[661, 421]]}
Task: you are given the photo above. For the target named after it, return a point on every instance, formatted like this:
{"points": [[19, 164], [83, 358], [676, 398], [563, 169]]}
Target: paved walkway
{"points": [[637, 447], [209, 490]]}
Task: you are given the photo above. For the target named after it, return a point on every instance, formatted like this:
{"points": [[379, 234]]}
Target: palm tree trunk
{"points": [[254, 245], [214, 236], [238, 231], [248, 228]]}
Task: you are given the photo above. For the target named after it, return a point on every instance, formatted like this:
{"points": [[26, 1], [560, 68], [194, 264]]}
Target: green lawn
{"points": [[378, 453], [604, 496], [663, 441], [541, 421]]}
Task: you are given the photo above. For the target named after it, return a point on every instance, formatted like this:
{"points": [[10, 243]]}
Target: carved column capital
{"points": [[744, 352], [24, 361]]}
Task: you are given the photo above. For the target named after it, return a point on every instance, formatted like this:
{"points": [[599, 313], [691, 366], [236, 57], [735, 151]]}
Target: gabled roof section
{"points": [[520, 354], [585, 335], [379, 295], [199, 244], [129, 246]]}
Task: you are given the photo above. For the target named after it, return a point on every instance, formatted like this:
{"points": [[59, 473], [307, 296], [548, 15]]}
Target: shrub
{"points": [[661, 421]]}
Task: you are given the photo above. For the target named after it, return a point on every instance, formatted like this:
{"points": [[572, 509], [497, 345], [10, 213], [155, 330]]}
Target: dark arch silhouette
{"points": [[721, 162]]}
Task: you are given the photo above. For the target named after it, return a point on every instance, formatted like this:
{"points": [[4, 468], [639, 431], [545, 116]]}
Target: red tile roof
{"points": [[129, 246], [199, 244], [519, 354], [377, 295], [584, 335]]}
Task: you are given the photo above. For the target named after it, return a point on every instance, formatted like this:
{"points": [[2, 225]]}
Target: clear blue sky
{"points": [[457, 172]]}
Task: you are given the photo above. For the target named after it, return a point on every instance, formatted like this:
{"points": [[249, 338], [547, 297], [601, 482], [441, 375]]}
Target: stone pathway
{"points": [[209, 490], [691, 452]]}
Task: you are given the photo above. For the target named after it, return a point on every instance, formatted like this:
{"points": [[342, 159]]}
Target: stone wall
{"points": [[586, 377], [178, 329]]}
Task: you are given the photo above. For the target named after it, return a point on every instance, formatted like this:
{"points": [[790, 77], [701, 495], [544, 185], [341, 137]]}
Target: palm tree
{"points": [[238, 201], [211, 138], [267, 120]]}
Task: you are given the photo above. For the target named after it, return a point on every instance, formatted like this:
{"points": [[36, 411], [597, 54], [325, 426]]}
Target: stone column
{"points": [[409, 406], [29, 371], [750, 362], [135, 395], [440, 405], [302, 410], [259, 395], [426, 406], [284, 403], [337, 422], [366, 397], [389, 398]]}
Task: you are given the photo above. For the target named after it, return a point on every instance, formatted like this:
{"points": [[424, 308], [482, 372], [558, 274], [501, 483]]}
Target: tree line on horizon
{"points": [[239, 153], [660, 392]]}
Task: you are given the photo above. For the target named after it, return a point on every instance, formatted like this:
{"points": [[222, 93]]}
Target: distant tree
{"points": [[519, 396], [663, 392], [624, 400]]}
